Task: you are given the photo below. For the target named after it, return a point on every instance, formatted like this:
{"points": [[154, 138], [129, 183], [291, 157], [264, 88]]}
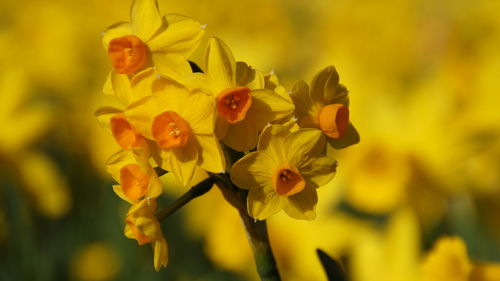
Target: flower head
{"points": [[284, 172], [244, 104], [142, 225], [325, 105], [150, 39], [181, 122]]}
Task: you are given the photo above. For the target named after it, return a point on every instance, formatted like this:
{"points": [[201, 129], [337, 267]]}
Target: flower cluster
{"points": [[177, 120]]}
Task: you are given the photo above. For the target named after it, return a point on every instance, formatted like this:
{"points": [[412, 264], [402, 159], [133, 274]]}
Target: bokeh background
{"points": [[424, 84]]}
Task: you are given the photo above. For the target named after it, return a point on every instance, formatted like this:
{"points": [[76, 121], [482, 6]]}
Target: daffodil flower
{"points": [[181, 122], [325, 105], [244, 105], [136, 177], [150, 39], [284, 172], [142, 225]]}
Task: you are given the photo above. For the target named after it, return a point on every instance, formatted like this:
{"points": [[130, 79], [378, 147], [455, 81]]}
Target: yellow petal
{"points": [[241, 136], [212, 157], [199, 112], [172, 65], [262, 204], [300, 97], [254, 171], [114, 31], [325, 88], [181, 36], [107, 88], [268, 106], [104, 115], [183, 161], [220, 65], [302, 205], [247, 76], [143, 84], [272, 139], [318, 171], [120, 84], [145, 18], [160, 254], [303, 143]]}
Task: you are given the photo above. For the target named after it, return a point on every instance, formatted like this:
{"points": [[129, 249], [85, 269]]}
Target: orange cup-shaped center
{"points": [[334, 120], [138, 235], [234, 103], [170, 130], [123, 132], [134, 181], [128, 54], [288, 181]]}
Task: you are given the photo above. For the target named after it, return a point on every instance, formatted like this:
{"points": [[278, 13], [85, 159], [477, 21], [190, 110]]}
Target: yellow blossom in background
{"points": [[95, 262], [284, 173]]}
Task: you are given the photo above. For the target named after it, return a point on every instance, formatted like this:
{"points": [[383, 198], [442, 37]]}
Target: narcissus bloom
{"points": [[448, 260], [284, 172], [151, 39], [137, 179], [142, 225], [325, 105], [244, 106], [181, 122]]}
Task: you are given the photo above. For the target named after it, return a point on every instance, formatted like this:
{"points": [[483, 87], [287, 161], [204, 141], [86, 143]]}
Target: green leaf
{"points": [[333, 269]]}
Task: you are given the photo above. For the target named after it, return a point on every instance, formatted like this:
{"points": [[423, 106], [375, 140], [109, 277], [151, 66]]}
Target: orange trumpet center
{"points": [[233, 104], [288, 180], [123, 132], [134, 181], [128, 54], [170, 130], [334, 120]]}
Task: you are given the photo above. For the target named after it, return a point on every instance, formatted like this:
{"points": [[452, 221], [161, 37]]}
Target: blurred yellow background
{"points": [[424, 83]]}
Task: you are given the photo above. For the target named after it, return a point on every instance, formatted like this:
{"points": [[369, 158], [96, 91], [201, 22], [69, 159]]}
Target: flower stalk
{"points": [[255, 229], [196, 191]]}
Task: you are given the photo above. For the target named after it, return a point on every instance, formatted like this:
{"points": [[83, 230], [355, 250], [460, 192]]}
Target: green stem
{"points": [[256, 230], [197, 190]]}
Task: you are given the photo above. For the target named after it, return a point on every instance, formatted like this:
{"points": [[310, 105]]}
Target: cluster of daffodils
{"points": [[173, 119]]}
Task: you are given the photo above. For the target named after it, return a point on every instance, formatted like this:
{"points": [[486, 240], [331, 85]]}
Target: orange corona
{"points": [[334, 120], [134, 181], [128, 54], [234, 103], [170, 130], [288, 181]]}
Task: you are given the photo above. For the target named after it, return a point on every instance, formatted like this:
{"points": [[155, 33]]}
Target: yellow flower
{"points": [[142, 225], [284, 173], [244, 106], [151, 39], [325, 105], [181, 122], [138, 180], [448, 260]]}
